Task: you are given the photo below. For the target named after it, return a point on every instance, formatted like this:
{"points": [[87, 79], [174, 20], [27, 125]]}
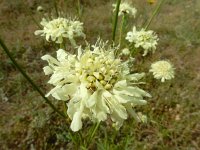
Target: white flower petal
{"points": [[92, 99], [61, 55], [48, 70], [76, 122]]}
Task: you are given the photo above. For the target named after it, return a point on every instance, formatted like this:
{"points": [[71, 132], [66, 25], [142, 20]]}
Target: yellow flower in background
{"points": [[126, 51], [58, 29], [151, 1], [95, 85], [162, 70], [145, 39]]}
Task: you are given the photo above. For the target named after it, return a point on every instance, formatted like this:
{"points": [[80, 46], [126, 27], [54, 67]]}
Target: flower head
{"points": [[60, 28], [95, 85], [40, 9], [145, 39], [125, 8], [126, 51], [162, 70]]}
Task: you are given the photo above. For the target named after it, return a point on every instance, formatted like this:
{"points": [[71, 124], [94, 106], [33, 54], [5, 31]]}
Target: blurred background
{"points": [[26, 122]]}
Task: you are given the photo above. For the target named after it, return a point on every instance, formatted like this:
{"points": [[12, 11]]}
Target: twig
{"points": [[29, 79]]}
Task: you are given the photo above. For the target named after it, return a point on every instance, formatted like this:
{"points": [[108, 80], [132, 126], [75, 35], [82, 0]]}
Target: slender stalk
{"points": [[121, 30], [156, 11], [73, 138], [35, 21], [56, 8], [33, 18], [115, 20], [29, 79], [95, 129], [62, 45], [79, 9], [93, 132], [65, 108], [64, 103]]}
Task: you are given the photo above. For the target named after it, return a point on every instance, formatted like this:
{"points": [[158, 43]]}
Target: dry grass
{"points": [[173, 112]]}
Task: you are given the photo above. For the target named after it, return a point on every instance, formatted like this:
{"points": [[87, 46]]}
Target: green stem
{"points": [[79, 9], [56, 8], [121, 30], [93, 132], [65, 108], [29, 79], [34, 20], [154, 14], [115, 20], [62, 45], [95, 129]]}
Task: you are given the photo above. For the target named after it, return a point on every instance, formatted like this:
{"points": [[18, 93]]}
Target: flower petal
{"points": [[76, 122]]}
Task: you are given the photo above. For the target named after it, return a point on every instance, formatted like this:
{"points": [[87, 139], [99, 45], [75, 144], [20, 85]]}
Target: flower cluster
{"points": [[125, 8], [162, 70], [95, 85], [96, 81], [145, 39], [58, 29]]}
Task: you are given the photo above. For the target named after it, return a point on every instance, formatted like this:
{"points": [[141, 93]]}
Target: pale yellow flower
{"points": [[58, 29], [95, 85], [40, 9], [162, 70], [126, 51], [125, 8], [145, 39]]}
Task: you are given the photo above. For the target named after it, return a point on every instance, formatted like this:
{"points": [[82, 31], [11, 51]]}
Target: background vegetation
{"points": [[26, 122]]}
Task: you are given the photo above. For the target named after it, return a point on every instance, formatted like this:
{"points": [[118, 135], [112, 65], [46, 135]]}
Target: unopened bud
{"points": [[91, 78], [112, 81], [40, 9], [108, 86], [103, 82]]}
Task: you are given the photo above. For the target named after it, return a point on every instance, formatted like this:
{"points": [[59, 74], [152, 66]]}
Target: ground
{"points": [[173, 111]]}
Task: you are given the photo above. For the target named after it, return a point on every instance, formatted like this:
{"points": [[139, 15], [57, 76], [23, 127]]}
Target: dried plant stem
{"points": [[156, 11], [115, 20], [29, 79]]}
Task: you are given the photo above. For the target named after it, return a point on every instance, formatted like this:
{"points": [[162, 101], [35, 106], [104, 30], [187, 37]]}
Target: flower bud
{"points": [[40, 9], [91, 78], [108, 86], [103, 82]]}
